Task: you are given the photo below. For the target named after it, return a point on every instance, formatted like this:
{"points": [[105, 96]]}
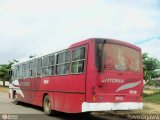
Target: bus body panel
{"points": [[65, 101], [91, 90], [60, 88], [112, 87]]}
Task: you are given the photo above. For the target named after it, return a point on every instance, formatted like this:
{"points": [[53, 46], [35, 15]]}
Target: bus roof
{"points": [[108, 40]]}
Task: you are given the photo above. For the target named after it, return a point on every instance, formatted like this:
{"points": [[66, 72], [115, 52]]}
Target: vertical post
{"points": [[3, 82]]}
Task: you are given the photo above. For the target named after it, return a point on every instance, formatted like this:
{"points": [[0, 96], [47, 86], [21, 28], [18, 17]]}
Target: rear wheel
{"points": [[15, 100], [47, 105]]}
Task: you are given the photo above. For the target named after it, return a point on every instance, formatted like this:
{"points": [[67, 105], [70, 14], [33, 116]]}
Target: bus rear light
{"points": [[100, 98], [100, 86], [93, 88], [93, 93], [94, 98]]}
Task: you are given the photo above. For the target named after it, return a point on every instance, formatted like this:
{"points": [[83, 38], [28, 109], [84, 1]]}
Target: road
{"points": [[30, 112]]}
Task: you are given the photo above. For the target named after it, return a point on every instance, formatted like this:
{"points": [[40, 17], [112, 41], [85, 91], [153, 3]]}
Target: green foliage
{"points": [[154, 97], [4, 70], [155, 83], [150, 65]]}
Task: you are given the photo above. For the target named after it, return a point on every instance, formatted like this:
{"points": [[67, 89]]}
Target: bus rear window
{"points": [[118, 57]]}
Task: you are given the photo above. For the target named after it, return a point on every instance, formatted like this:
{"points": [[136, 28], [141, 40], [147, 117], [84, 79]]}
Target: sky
{"points": [[36, 27]]}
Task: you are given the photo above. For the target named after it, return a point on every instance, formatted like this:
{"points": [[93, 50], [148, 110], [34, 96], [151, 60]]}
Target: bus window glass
{"points": [[30, 69], [40, 63], [50, 70], [34, 71], [82, 53], [14, 74], [63, 63], [24, 70], [39, 68], [18, 74], [60, 58], [51, 64], [39, 72], [45, 61], [51, 60], [67, 56], [45, 71], [118, 57], [78, 59], [76, 54], [20, 71]]}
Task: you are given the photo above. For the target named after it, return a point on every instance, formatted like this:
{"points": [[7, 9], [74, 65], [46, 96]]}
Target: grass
{"points": [[152, 96]]}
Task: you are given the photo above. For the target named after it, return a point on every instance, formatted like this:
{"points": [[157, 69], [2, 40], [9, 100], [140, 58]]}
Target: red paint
{"points": [[68, 92]]}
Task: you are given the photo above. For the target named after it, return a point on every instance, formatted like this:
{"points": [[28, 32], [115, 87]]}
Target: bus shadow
{"points": [[78, 116], [26, 105], [67, 116]]}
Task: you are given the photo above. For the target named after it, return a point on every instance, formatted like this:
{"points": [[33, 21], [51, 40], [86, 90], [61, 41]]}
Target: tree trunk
{"points": [[3, 82]]}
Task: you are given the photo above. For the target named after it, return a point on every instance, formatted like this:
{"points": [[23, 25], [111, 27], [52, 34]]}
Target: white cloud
{"points": [[37, 26], [151, 48]]}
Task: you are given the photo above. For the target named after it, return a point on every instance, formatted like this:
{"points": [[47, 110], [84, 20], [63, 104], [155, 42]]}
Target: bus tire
{"points": [[15, 101], [47, 106]]}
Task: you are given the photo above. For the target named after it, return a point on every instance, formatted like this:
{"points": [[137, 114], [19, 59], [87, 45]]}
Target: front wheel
{"points": [[47, 106], [15, 100]]}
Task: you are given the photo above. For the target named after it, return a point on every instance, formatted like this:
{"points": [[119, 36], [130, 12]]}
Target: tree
{"points": [[4, 70], [150, 66], [155, 83]]}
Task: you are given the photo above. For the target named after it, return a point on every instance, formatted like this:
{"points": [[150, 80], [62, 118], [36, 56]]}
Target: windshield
{"points": [[119, 57]]}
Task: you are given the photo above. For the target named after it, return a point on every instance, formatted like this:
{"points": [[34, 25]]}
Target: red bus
{"points": [[92, 75]]}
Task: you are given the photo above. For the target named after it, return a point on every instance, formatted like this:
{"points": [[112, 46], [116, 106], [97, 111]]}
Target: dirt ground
{"points": [[151, 108], [3, 89]]}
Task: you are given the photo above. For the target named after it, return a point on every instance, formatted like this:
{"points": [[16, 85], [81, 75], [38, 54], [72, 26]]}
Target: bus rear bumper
{"points": [[111, 106]]}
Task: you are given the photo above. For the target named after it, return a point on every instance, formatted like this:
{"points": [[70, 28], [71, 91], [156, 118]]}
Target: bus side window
{"points": [[51, 64], [18, 72], [30, 69], [48, 65], [39, 68], [45, 64], [14, 75], [78, 60], [67, 62], [63, 63], [27, 70], [35, 63], [24, 70], [59, 61]]}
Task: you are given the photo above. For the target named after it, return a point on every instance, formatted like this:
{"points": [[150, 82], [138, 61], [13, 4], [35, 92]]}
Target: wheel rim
{"points": [[15, 97], [47, 105]]}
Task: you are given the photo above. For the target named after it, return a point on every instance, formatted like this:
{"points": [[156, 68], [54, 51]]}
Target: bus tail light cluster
{"points": [[93, 93], [100, 98], [94, 98]]}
